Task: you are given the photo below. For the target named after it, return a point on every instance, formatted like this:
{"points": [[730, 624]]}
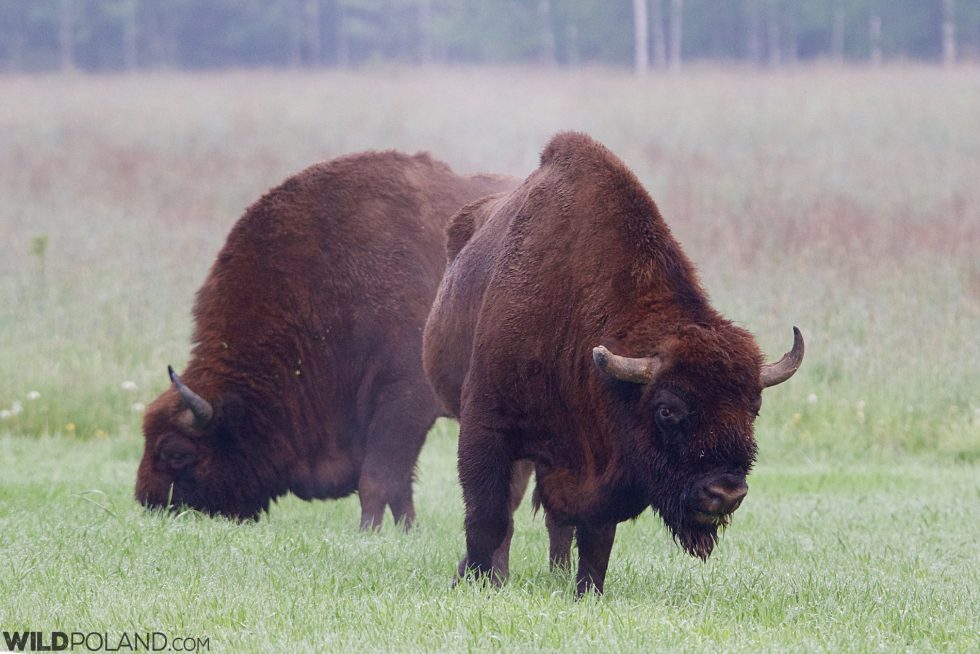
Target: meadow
{"points": [[842, 201]]}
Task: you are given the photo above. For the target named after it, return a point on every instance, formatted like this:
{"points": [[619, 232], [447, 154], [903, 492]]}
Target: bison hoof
{"points": [[587, 587], [561, 564], [465, 570]]}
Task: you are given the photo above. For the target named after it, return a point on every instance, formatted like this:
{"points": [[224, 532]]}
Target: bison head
{"points": [[193, 456], [692, 405]]}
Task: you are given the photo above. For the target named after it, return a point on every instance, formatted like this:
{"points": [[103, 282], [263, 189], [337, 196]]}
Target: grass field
{"points": [[822, 557], [843, 201]]}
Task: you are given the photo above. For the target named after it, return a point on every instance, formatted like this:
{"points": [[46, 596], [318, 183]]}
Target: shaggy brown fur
{"points": [[308, 343], [577, 257]]}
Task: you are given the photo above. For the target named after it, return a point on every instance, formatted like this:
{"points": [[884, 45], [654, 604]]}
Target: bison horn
{"points": [[637, 371], [198, 406], [777, 373]]}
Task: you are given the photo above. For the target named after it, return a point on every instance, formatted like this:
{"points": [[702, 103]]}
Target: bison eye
{"points": [[177, 453], [669, 411], [180, 460], [667, 418]]}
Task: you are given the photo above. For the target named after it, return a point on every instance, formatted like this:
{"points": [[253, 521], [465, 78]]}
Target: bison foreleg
{"points": [[520, 475], [594, 545], [486, 475], [372, 495], [559, 544], [404, 414]]}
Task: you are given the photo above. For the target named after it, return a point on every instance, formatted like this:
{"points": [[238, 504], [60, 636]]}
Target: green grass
{"points": [[843, 557], [842, 201]]}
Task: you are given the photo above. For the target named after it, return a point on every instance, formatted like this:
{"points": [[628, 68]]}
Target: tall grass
{"points": [[842, 201]]}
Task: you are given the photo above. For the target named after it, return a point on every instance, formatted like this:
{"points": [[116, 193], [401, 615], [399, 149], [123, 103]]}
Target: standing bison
{"points": [[306, 372], [571, 331]]}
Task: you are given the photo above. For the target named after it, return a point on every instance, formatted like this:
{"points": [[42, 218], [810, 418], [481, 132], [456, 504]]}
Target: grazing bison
{"points": [[306, 372], [571, 334]]}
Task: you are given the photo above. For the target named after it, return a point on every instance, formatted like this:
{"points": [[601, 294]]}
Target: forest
{"points": [[128, 35]]}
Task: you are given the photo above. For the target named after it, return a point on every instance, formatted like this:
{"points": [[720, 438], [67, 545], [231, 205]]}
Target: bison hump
{"points": [[575, 148], [464, 224]]}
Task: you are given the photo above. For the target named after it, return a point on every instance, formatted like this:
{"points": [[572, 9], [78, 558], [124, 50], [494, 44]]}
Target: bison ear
{"points": [[199, 412], [640, 370]]}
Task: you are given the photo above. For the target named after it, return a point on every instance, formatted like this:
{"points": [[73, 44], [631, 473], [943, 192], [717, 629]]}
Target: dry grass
{"points": [[842, 201]]}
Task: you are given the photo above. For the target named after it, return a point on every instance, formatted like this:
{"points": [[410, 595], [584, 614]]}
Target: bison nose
{"points": [[722, 498]]}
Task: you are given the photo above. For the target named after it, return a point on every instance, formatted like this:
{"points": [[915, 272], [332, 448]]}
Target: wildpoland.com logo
{"points": [[94, 641]]}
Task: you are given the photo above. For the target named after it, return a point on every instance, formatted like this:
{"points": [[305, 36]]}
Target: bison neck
{"points": [[572, 497], [307, 440]]}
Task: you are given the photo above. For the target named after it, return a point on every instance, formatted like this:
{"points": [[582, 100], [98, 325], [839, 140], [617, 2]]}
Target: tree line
{"points": [[129, 35]]}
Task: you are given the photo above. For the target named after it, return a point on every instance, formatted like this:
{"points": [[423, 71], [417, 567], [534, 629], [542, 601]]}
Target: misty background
{"points": [[817, 160], [117, 35]]}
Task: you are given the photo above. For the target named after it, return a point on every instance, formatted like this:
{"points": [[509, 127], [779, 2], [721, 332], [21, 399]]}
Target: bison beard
{"points": [[696, 538], [306, 373], [571, 331]]}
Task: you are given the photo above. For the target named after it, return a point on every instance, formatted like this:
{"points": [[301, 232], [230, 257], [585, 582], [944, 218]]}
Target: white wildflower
{"points": [[138, 407], [16, 408], [33, 395], [4, 414], [128, 386], [811, 398]]}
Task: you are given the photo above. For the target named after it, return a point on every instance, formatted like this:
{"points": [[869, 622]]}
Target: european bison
{"points": [[306, 372], [571, 331]]}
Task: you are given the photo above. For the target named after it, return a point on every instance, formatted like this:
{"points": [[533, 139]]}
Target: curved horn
{"points": [[198, 406], [777, 373], [636, 371]]}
